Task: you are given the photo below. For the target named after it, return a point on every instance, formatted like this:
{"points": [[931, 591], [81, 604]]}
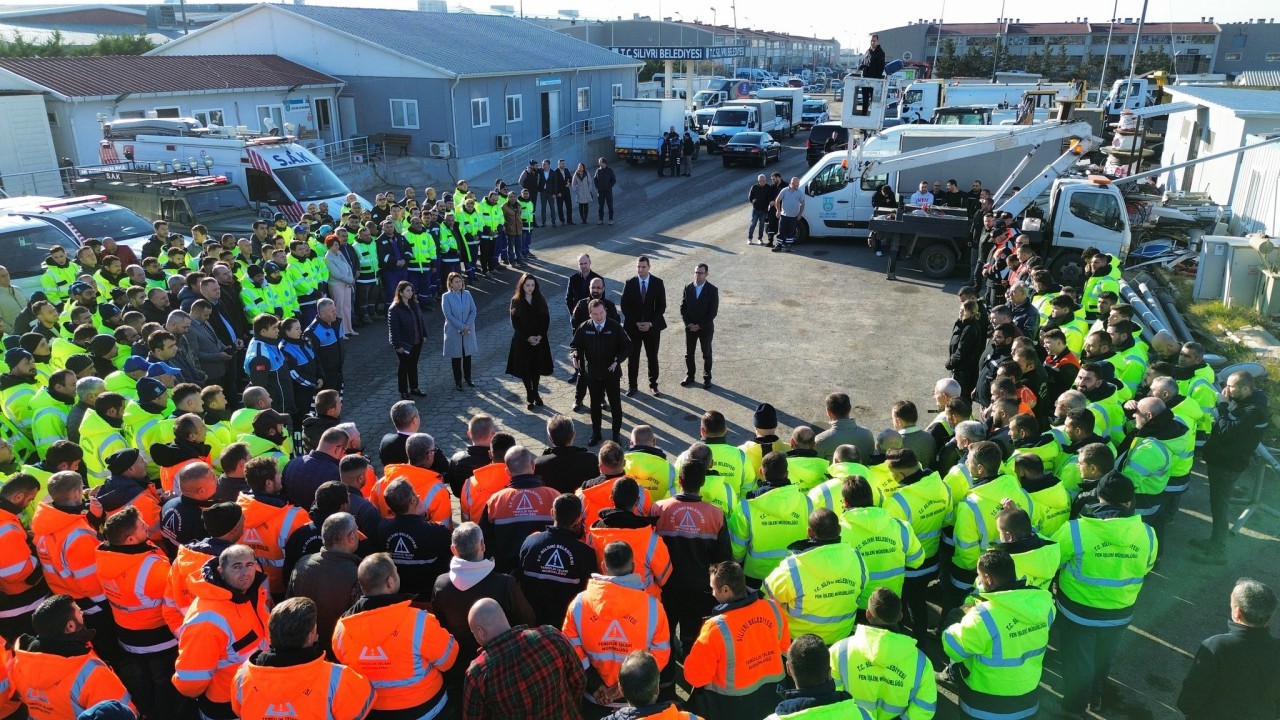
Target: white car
{"points": [[814, 112]]}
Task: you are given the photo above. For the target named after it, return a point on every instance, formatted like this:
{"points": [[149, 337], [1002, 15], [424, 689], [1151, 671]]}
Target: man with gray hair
{"points": [[87, 392], [418, 546], [518, 510], [433, 495], [330, 577], [941, 428], [178, 323], [404, 416], [470, 578], [1237, 669]]}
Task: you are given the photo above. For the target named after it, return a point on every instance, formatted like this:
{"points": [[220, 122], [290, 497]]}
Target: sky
{"points": [[850, 22]]}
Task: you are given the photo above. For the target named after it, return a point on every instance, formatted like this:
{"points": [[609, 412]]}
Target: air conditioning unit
{"points": [[503, 142], [439, 149]]}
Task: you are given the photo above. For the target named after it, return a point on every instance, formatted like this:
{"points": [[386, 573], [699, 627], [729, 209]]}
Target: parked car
{"points": [[815, 146], [752, 147], [24, 243], [84, 217], [814, 112]]}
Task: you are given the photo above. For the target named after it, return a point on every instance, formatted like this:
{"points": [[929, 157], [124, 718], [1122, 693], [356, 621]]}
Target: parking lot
{"points": [[792, 328]]}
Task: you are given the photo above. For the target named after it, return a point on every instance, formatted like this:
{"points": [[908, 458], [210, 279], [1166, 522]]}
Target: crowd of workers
{"points": [[174, 549]]}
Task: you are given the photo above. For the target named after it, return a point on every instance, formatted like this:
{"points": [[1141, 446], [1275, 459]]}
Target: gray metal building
{"points": [[461, 84]]}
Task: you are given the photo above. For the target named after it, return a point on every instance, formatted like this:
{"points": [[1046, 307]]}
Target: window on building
{"points": [[480, 112], [515, 108], [584, 99], [1273, 57], [209, 117], [168, 112], [1233, 57], [404, 114], [270, 117]]}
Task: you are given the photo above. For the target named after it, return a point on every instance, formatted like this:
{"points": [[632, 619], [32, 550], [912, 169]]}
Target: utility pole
{"points": [[1102, 83], [1137, 43]]}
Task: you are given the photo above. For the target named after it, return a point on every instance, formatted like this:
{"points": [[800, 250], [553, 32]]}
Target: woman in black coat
{"points": [[966, 348], [530, 355], [406, 332]]}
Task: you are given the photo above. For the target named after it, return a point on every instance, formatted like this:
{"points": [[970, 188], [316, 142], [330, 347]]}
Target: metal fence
{"points": [[570, 140], [341, 155]]}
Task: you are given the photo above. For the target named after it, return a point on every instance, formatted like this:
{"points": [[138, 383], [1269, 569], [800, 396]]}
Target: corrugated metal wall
{"points": [[1256, 207]]}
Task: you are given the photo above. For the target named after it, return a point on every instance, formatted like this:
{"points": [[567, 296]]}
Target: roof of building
{"points": [[111, 76], [1259, 78], [476, 44], [1242, 101]]}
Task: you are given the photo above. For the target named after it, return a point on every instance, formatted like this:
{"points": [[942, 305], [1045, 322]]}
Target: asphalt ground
{"points": [[791, 329]]}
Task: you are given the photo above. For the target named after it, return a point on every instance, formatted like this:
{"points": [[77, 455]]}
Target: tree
{"points": [[947, 62], [56, 46]]}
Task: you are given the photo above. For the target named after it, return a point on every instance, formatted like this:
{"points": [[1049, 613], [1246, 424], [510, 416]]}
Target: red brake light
{"points": [[806, 144]]}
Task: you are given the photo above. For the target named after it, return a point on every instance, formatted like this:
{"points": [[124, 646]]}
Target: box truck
{"points": [[922, 97], [638, 125], [788, 106], [741, 116]]}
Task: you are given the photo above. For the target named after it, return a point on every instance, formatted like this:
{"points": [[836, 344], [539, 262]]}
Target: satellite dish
{"points": [[906, 55]]}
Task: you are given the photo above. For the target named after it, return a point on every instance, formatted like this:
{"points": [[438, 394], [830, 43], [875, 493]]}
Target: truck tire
{"points": [[802, 230], [937, 261], [1068, 269]]}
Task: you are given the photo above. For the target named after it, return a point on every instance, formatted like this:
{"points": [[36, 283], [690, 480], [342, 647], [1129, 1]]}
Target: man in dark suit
{"points": [[531, 179], [564, 203], [576, 287], [698, 310], [644, 302], [599, 348], [581, 314]]}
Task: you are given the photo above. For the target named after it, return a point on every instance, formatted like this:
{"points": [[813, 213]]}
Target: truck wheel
{"points": [[937, 261], [802, 231], [725, 162], [1068, 269]]}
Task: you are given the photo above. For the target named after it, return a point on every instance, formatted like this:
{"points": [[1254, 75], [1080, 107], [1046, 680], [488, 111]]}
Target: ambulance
{"points": [[276, 173]]}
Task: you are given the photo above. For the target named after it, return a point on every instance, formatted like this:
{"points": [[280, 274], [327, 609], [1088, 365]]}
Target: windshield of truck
{"points": [[217, 201], [702, 96], [1101, 209], [311, 182], [731, 118], [911, 97], [24, 250], [119, 223]]}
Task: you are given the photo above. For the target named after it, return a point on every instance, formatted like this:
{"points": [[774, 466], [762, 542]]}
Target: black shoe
{"points": [[617, 437], [404, 396], [458, 385], [687, 382], [776, 248], [656, 392], [531, 406], [706, 383], [578, 406], [417, 393], [537, 400], [594, 441], [469, 383], [631, 392]]}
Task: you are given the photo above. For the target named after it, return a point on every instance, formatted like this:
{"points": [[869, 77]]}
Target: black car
{"points": [[753, 147], [815, 146]]}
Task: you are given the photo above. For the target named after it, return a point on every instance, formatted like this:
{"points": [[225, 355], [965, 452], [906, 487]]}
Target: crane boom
{"points": [[1033, 189], [1024, 136]]}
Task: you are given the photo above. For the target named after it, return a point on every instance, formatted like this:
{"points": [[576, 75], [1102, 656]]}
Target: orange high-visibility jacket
{"points": [[183, 572], [66, 547], [613, 618], [600, 497], [433, 494], [403, 650], [741, 649], [317, 689], [483, 483], [18, 567], [267, 528], [58, 688], [652, 559], [134, 580], [218, 634], [9, 700], [169, 473]]}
